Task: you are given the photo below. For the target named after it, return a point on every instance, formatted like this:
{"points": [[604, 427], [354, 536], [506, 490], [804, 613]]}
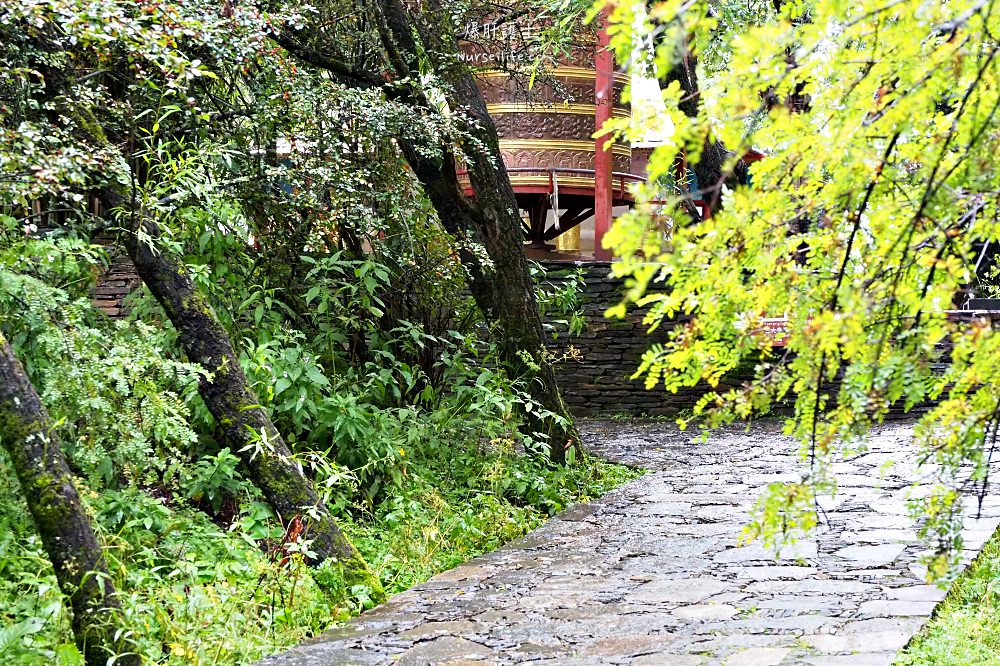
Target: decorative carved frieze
{"points": [[551, 91], [544, 126], [545, 120], [559, 159]]}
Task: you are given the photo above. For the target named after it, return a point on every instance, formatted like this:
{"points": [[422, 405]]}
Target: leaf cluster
{"points": [[862, 227]]}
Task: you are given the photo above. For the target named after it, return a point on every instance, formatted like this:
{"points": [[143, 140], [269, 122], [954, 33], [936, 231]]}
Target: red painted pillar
{"points": [[603, 164]]}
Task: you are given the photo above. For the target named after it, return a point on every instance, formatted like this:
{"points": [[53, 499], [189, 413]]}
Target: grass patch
{"points": [[432, 529], [965, 630]]}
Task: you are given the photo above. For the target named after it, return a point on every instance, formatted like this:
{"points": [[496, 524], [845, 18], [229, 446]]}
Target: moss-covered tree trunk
{"points": [[59, 516], [246, 426], [504, 291]]}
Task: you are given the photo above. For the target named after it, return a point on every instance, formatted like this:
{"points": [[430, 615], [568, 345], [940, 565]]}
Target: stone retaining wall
{"points": [[596, 384], [599, 384], [117, 283]]}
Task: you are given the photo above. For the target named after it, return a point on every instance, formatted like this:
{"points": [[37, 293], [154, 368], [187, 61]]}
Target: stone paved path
{"points": [[651, 573]]}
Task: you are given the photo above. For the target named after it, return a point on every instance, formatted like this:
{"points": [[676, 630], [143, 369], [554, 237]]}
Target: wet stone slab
{"points": [[652, 573]]}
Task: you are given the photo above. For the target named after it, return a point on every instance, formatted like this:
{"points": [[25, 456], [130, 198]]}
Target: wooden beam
{"points": [[568, 221]]}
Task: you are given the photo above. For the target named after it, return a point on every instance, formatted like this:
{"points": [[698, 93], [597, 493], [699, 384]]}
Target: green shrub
{"points": [[391, 400]]}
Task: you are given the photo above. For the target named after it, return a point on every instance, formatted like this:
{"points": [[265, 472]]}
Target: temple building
{"points": [[567, 185]]}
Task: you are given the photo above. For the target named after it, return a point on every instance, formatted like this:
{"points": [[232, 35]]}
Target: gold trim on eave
{"points": [[564, 181], [575, 109], [574, 72], [559, 144]]}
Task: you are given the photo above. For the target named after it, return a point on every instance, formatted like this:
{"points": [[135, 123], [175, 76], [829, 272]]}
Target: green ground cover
{"points": [[410, 433], [965, 630], [203, 589]]}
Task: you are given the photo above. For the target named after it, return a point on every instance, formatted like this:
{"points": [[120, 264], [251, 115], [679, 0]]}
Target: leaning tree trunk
{"points": [[246, 426], [504, 292], [59, 516], [711, 167]]}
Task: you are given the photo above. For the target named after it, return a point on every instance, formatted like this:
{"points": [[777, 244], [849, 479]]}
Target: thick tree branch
{"points": [[344, 72], [60, 517], [247, 428], [505, 293]]}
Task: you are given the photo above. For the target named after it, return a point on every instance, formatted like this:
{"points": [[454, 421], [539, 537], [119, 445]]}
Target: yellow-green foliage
{"points": [[860, 225]]}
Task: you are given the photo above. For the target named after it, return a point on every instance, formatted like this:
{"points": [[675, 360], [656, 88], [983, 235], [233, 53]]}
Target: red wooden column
{"points": [[603, 164]]}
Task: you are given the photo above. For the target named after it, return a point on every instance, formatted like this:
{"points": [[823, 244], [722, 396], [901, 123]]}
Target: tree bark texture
{"points": [[59, 516], [504, 291], [710, 168], [246, 426]]}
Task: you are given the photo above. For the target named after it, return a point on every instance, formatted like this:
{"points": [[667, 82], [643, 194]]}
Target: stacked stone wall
{"points": [[117, 283], [599, 382]]}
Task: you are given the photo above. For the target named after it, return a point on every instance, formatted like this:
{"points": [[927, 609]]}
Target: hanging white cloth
{"points": [[554, 198]]}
